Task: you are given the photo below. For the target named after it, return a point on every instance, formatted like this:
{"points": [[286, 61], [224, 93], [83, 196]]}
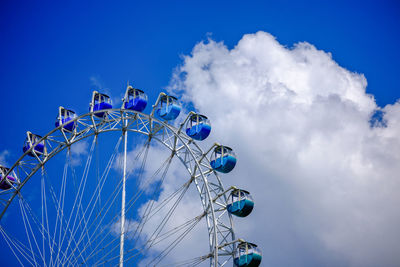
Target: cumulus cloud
{"points": [[325, 180], [129, 227], [189, 207]]}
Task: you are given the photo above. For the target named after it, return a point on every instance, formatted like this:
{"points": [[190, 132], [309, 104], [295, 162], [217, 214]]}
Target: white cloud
{"points": [[96, 81], [99, 86], [325, 182], [189, 207], [78, 151], [3, 157], [155, 158], [130, 227]]}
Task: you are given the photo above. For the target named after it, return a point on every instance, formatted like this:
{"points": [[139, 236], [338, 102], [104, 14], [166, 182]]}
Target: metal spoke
{"points": [[81, 229]]}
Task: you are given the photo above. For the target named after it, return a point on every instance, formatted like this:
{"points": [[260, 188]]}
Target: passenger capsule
{"points": [[100, 102], [33, 140], [223, 159], [135, 99], [6, 183], [66, 115], [247, 255], [240, 203], [169, 108], [198, 127]]}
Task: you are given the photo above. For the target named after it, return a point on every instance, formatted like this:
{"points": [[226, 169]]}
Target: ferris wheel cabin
{"points": [[100, 102], [32, 140], [6, 182], [135, 99], [240, 203], [247, 255], [169, 108], [66, 115], [198, 127], [223, 159]]}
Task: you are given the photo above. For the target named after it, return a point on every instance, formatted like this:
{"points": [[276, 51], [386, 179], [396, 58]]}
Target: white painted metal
{"points": [[210, 188], [122, 238]]}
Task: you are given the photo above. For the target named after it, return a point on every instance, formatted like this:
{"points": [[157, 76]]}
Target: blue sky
{"points": [[50, 50], [55, 54]]}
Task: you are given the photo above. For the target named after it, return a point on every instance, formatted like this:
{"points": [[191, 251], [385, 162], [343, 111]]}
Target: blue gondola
{"points": [[169, 108], [247, 255], [33, 140], [66, 115], [135, 99], [223, 159], [240, 203], [198, 127], [100, 102], [5, 183]]}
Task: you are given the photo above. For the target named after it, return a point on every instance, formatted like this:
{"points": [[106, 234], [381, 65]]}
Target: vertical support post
{"points": [[122, 238]]}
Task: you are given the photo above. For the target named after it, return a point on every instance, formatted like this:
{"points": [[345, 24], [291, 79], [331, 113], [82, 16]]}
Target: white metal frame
{"points": [[212, 193]]}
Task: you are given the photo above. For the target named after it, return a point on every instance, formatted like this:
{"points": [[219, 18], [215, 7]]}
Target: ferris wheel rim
{"points": [[151, 118]]}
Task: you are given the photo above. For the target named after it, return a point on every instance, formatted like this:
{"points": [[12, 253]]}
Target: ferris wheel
{"points": [[117, 186]]}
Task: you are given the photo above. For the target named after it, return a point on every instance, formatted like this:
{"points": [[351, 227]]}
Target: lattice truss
{"points": [[212, 193]]}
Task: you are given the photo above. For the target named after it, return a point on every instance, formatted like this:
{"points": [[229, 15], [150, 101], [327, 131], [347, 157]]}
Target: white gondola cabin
{"points": [[223, 159], [168, 107], [6, 183], [135, 99], [240, 203], [100, 102], [32, 140], [198, 127], [247, 255], [64, 116]]}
